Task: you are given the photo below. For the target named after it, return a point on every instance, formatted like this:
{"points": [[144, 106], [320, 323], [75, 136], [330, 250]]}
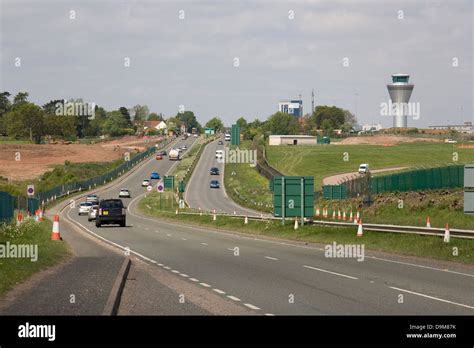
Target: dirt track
{"points": [[385, 140]]}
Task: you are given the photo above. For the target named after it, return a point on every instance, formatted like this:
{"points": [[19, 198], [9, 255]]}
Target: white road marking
{"points": [[166, 267], [233, 298], [169, 235], [194, 279], [204, 243], [269, 314], [431, 297], [326, 271], [183, 238], [205, 285], [219, 291], [183, 275], [271, 258], [251, 306], [174, 271], [160, 264]]}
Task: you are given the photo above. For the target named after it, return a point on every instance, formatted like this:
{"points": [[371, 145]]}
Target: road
{"points": [[335, 179], [276, 277], [199, 195]]}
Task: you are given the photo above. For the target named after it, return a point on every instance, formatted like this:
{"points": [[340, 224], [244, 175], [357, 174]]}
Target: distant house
{"points": [[372, 127], [156, 125]]}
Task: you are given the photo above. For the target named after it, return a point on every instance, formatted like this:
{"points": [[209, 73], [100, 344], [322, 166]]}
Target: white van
{"points": [[227, 137], [363, 168], [219, 154]]}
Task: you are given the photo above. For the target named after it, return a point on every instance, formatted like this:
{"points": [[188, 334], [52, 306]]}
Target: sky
{"points": [[240, 58]]}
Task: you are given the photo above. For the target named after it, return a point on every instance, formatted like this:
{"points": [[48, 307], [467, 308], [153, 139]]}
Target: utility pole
{"points": [[301, 106], [312, 101]]}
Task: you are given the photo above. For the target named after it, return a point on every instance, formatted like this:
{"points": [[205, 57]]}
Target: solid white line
{"points": [[219, 291], [233, 298], [271, 258], [194, 279], [251, 306], [205, 285], [269, 314], [432, 298], [323, 270]]}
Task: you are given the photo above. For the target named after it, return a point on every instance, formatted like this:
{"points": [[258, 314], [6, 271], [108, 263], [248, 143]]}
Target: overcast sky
{"points": [[191, 61]]}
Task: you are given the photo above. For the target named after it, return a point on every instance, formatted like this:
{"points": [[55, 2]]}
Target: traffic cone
{"points": [[360, 229], [246, 220], [235, 213], [37, 215], [317, 211], [357, 217], [55, 234], [334, 215], [296, 224], [344, 217], [351, 218], [428, 223], [214, 218], [41, 214], [446, 233], [339, 214], [200, 211], [176, 211], [19, 219], [325, 212]]}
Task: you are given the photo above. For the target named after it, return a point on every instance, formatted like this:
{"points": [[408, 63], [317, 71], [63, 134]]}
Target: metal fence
{"points": [[9, 203], [415, 180], [263, 167]]}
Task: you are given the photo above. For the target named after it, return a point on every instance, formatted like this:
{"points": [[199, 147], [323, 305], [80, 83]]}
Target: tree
{"points": [[124, 111], [333, 114], [154, 117], [51, 106], [282, 124], [19, 99], [5, 106], [327, 127], [188, 118], [115, 124], [140, 113], [26, 121], [215, 123], [242, 123]]}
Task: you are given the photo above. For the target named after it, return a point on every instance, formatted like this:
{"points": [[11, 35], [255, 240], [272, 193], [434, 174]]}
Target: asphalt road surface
{"points": [[198, 192], [276, 277]]}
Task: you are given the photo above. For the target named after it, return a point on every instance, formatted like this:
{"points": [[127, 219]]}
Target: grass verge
{"points": [[15, 270], [411, 245]]}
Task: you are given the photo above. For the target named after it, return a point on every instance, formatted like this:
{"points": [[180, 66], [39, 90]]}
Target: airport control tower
{"points": [[400, 93]]}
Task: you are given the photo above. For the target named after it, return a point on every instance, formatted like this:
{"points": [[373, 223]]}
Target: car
{"points": [[363, 168], [146, 183], [159, 157], [92, 212], [92, 198], [84, 208], [214, 171], [195, 135], [219, 154], [450, 141], [124, 193], [185, 147], [220, 142], [155, 175], [214, 184], [162, 153], [111, 211]]}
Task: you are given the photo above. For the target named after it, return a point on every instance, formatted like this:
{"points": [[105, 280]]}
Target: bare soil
{"points": [[384, 140]]}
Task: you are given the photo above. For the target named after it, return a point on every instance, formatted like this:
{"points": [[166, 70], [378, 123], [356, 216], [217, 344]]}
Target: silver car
{"points": [[92, 212]]}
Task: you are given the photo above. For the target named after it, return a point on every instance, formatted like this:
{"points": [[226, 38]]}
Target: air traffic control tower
{"points": [[400, 93]]}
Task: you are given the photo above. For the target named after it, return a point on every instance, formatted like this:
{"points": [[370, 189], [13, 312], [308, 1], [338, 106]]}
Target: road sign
{"points": [[293, 196], [149, 188], [235, 135], [30, 190], [182, 186], [160, 187], [169, 181]]}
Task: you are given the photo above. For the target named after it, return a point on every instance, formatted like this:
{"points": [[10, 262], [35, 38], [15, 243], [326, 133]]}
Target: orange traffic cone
{"points": [[357, 217], [296, 224], [37, 219], [360, 229], [344, 217], [19, 219], [351, 218], [339, 214], [41, 214], [446, 233], [334, 215], [428, 224], [56, 235], [317, 211], [246, 220]]}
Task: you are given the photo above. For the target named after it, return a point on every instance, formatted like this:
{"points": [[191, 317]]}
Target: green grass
{"points": [[8, 140], [411, 245], [50, 253], [323, 161], [246, 186], [185, 163], [442, 206]]}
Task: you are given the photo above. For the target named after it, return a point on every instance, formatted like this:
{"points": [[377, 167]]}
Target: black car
{"points": [[220, 142], [214, 171], [162, 153], [111, 211]]}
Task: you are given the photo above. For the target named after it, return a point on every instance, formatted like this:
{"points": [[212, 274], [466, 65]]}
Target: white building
{"points": [[371, 127], [467, 127], [291, 140]]}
